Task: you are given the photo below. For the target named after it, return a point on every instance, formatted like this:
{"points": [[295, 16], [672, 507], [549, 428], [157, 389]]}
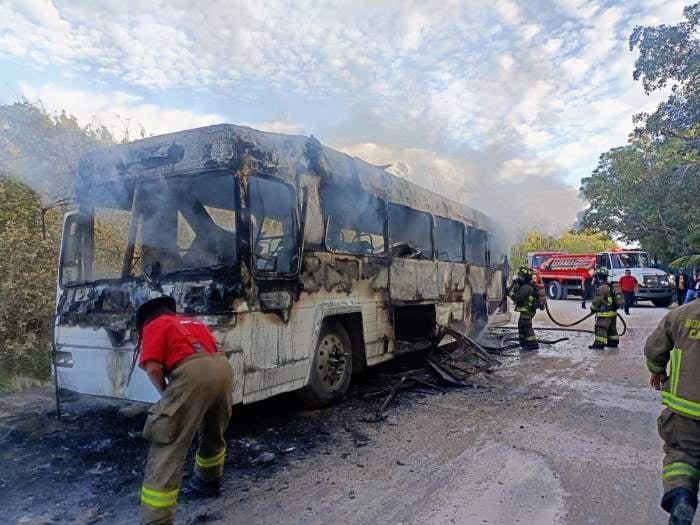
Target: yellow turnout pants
{"points": [[197, 400]]}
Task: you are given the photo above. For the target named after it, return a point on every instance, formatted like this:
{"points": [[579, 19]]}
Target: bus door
{"points": [[275, 248]]}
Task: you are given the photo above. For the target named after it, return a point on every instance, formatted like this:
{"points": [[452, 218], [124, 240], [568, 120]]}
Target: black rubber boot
{"points": [[680, 503], [199, 488], [597, 346]]}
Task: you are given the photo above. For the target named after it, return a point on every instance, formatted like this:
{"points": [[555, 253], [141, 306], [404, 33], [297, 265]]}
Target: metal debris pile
{"points": [[459, 359], [446, 366]]}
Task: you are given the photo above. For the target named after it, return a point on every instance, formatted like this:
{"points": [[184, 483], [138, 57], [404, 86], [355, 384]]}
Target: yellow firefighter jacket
{"points": [[677, 339], [527, 297], [604, 302]]}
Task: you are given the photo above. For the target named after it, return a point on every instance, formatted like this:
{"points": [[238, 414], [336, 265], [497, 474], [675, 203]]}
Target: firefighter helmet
{"points": [[602, 274], [525, 273]]}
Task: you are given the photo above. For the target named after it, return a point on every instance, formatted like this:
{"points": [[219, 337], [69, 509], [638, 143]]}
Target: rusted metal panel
{"points": [[459, 359], [451, 280], [413, 280], [447, 313], [494, 286], [477, 278]]}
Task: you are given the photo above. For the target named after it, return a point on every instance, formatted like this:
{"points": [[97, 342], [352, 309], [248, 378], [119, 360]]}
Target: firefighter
{"points": [[605, 304], [677, 340], [527, 297], [181, 359]]}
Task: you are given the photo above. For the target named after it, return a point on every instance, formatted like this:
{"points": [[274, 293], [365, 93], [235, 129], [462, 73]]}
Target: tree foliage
{"points": [[43, 150], [571, 242], [688, 261], [647, 191], [670, 55], [38, 159], [28, 283]]}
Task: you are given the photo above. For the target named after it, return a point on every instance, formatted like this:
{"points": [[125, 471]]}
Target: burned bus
{"points": [[308, 264]]}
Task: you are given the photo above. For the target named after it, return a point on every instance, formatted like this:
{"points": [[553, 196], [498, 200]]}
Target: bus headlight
{"points": [[64, 359]]}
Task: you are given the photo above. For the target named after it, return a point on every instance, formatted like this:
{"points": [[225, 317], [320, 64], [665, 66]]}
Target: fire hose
{"points": [[568, 325]]}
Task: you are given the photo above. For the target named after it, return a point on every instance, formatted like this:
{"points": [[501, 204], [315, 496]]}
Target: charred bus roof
{"points": [[245, 150]]}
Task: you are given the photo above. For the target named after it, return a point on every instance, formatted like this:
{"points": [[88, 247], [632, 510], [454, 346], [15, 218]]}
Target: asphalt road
{"points": [[563, 435]]}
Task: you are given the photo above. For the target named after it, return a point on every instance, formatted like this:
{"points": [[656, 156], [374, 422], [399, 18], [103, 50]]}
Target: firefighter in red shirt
{"points": [[629, 286], [180, 356]]}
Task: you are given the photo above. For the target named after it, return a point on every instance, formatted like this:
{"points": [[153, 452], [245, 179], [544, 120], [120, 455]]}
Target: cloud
{"points": [[520, 192], [118, 111], [510, 93]]}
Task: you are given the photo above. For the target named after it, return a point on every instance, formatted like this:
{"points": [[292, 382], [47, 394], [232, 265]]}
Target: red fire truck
{"points": [[566, 273]]}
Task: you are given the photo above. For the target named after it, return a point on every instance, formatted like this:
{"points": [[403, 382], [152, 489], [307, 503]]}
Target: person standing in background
{"points": [[629, 286], [693, 287], [681, 286], [605, 305], [587, 287]]}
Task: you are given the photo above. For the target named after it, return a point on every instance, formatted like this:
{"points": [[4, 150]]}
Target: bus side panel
{"points": [[413, 280]]}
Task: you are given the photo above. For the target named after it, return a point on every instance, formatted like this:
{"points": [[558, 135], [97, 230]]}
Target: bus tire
{"points": [[554, 290], [662, 302], [331, 367]]}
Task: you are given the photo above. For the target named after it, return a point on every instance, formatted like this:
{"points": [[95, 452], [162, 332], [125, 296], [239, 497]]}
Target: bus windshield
{"points": [[630, 260], [156, 227]]}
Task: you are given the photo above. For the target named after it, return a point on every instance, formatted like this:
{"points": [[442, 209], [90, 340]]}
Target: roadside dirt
{"points": [[563, 435]]}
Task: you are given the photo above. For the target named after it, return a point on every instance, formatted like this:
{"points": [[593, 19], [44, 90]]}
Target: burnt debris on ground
{"points": [[94, 456]]}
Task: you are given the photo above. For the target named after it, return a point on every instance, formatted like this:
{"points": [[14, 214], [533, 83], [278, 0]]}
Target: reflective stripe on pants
{"points": [[159, 498], [681, 436]]}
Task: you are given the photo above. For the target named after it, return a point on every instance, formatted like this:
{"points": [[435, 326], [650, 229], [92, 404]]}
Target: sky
{"points": [[504, 105]]}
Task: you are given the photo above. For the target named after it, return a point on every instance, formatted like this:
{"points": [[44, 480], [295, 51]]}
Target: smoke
{"points": [[43, 150], [517, 197]]}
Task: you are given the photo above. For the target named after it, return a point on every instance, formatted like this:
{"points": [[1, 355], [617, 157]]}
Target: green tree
{"points": [[43, 150], [670, 55], [38, 160], [647, 191], [639, 193], [689, 260], [28, 283]]}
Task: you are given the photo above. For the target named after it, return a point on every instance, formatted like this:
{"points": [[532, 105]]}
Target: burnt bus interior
{"points": [[179, 225]]}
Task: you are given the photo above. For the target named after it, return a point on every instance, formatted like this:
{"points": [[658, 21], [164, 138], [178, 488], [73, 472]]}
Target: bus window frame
{"points": [[385, 229], [431, 232], [486, 253], [83, 217], [299, 235], [464, 235]]}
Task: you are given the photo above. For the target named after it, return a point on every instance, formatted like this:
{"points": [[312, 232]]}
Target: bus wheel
{"points": [[331, 367]]}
